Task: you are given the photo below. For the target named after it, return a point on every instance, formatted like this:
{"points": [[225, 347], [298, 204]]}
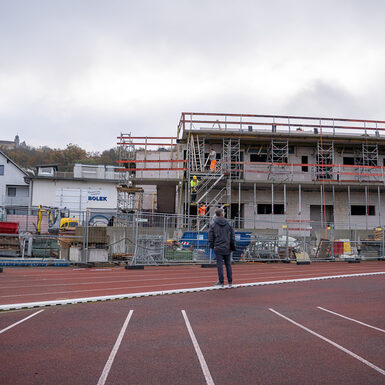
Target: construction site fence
{"points": [[24, 249], [148, 238], [152, 239]]}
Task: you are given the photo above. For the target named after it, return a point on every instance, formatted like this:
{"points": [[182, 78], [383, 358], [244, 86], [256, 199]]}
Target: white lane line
{"points": [[107, 367], [351, 319], [240, 277], [13, 306], [19, 322], [240, 271], [202, 361], [332, 343], [130, 281]]}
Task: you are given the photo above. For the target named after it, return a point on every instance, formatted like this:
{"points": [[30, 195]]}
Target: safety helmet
{"points": [[194, 177]]}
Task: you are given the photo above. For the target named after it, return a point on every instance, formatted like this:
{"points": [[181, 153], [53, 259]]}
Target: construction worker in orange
{"points": [[202, 210], [194, 188], [213, 160]]}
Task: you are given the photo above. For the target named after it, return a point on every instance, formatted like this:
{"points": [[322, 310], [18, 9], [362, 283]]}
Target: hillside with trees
{"points": [[29, 157]]}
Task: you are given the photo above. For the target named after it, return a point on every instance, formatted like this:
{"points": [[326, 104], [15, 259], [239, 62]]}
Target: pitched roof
{"points": [[15, 164]]}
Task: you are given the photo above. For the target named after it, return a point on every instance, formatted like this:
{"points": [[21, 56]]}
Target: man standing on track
{"points": [[222, 241]]}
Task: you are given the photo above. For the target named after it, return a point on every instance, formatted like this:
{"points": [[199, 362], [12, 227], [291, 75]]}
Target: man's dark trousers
{"points": [[227, 260]]}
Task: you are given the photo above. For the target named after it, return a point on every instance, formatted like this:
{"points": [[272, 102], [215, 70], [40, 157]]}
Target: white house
{"points": [[14, 190], [88, 187]]}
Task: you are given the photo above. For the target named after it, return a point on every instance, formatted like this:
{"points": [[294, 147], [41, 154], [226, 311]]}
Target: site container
{"points": [[9, 228]]}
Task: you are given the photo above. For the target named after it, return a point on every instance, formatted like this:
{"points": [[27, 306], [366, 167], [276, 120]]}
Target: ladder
{"points": [[208, 186], [204, 222], [196, 154]]}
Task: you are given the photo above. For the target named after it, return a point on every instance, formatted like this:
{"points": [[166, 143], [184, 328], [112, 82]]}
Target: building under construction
{"points": [[284, 173]]}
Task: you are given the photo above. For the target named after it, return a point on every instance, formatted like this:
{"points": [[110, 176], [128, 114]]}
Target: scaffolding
{"points": [[128, 199], [232, 158], [368, 158], [234, 137], [325, 160], [129, 196], [215, 183], [277, 156]]}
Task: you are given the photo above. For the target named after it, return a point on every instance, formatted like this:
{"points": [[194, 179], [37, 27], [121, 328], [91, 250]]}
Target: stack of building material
{"points": [[378, 234], [96, 241], [9, 239], [324, 249], [97, 236], [45, 247], [285, 254]]}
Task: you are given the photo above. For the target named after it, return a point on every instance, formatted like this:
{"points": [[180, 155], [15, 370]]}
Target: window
{"points": [[279, 209], [258, 158], [264, 209], [361, 210], [17, 211], [305, 161], [11, 191], [1, 169], [348, 160]]}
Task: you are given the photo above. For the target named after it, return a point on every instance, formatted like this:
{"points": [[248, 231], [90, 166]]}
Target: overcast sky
{"points": [[82, 71]]}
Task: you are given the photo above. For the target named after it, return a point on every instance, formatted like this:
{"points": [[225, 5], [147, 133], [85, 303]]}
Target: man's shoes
{"points": [[230, 284], [219, 284]]}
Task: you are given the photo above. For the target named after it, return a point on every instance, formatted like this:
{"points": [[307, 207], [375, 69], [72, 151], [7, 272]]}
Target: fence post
{"points": [[164, 237], [287, 241]]}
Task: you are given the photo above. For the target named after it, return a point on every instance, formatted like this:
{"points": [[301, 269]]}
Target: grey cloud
{"points": [[100, 67], [325, 99]]}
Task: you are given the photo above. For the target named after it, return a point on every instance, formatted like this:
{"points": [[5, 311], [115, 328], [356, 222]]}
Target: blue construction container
{"points": [[200, 241]]}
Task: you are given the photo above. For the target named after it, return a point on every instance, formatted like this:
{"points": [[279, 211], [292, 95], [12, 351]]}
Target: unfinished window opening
{"points": [[305, 161], [258, 158], [348, 160], [361, 210], [262, 208], [279, 209]]}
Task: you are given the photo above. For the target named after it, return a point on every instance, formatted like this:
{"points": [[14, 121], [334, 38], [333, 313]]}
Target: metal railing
{"points": [[300, 125]]}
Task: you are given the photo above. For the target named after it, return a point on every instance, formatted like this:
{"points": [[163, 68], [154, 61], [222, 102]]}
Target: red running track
{"points": [[21, 285], [241, 340]]}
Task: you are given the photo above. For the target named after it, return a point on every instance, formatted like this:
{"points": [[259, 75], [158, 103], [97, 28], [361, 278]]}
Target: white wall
{"points": [[12, 177], [61, 193]]}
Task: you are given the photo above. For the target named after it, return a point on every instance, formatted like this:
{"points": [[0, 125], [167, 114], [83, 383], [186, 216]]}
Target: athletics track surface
{"points": [[241, 333]]}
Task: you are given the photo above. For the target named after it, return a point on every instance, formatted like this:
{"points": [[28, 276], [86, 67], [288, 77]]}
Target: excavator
{"points": [[58, 219]]}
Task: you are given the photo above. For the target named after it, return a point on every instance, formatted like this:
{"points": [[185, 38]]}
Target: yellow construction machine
{"points": [[58, 219]]}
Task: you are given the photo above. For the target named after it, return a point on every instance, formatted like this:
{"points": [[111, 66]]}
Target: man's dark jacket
{"points": [[221, 236]]}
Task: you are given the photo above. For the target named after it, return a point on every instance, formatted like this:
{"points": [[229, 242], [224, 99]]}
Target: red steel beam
{"points": [[147, 137], [150, 169], [151, 161], [147, 144]]}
